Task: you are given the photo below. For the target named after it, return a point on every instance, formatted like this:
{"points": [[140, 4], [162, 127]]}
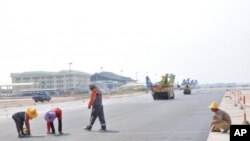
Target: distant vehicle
{"points": [[187, 90], [163, 89], [42, 96]]}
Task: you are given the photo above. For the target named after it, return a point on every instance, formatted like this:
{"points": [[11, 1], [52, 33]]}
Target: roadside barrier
{"points": [[5, 109], [235, 104], [238, 97], [241, 101], [245, 122]]}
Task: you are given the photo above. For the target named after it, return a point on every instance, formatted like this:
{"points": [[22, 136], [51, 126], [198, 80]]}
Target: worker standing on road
{"points": [[221, 119], [23, 117], [50, 116], [97, 108]]}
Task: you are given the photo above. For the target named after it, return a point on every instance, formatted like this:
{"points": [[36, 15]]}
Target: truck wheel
{"points": [[158, 96], [154, 97], [172, 97]]}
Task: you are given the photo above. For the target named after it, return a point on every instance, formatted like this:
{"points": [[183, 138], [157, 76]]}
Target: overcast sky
{"points": [[207, 40]]}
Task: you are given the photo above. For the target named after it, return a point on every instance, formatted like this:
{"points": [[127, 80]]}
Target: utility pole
{"points": [[70, 63], [121, 76], [136, 76], [155, 77]]}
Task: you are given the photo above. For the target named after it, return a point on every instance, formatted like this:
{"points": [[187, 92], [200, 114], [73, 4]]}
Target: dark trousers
{"points": [[59, 126], [97, 111], [19, 125]]}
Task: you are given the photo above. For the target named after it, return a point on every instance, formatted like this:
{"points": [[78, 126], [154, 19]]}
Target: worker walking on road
{"points": [[97, 108], [50, 116], [23, 117], [221, 119]]}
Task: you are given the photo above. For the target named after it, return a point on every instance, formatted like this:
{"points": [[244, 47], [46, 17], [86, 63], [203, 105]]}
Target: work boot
{"points": [[103, 128], [20, 136], [88, 128], [225, 131], [22, 133], [215, 130]]}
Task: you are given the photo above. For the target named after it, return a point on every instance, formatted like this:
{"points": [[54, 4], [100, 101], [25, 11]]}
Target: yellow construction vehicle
{"points": [[163, 89], [187, 89]]}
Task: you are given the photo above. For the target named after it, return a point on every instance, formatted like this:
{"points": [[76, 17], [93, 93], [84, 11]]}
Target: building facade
{"points": [[66, 81]]}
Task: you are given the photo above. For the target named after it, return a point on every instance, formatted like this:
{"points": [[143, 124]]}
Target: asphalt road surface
{"points": [[128, 118]]}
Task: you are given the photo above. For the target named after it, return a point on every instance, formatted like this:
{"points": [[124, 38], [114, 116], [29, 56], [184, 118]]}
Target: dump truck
{"points": [[163, 89]]}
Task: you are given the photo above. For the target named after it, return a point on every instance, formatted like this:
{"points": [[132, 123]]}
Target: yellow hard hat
{"points": [[25, 131], [32, 113], [213, 105]]}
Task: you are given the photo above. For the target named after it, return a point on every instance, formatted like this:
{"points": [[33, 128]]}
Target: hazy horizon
{"points": [[207, 40]]}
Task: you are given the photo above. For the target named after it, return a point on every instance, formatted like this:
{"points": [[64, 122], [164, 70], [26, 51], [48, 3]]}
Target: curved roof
{"points": [[109, 76]]}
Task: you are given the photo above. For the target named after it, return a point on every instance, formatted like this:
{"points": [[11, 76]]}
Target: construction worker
{"points": [[23, 117], [50, 116], [221, 120], [95, 103]]}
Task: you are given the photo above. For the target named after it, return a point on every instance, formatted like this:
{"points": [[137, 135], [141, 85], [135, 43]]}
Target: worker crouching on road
{"points": [[221, 119], [97, 108], [50, 116], [23, 117]]}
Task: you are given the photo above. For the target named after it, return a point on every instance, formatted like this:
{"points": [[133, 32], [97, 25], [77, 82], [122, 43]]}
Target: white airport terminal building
{"points": [[62, 82]]}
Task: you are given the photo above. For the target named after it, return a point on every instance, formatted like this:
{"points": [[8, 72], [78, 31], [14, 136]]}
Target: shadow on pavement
{"points": [[32, 137], [109, 131], [98, 131], [64, 134]]}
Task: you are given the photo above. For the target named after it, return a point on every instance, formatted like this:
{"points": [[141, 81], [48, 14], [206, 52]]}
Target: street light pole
{"points": [[136, 76], [121, 76], [155, 77], [70, 63], [96, 76]]}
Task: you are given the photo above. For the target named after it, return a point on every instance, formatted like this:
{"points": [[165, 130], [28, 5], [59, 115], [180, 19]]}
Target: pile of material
{"points": [[165, 84]]}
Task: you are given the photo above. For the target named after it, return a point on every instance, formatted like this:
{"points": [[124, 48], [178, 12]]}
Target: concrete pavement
{"points": [[233, 103], [129, 118]]}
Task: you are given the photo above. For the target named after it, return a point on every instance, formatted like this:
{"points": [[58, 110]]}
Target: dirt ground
{"points": [[26, 101]]}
